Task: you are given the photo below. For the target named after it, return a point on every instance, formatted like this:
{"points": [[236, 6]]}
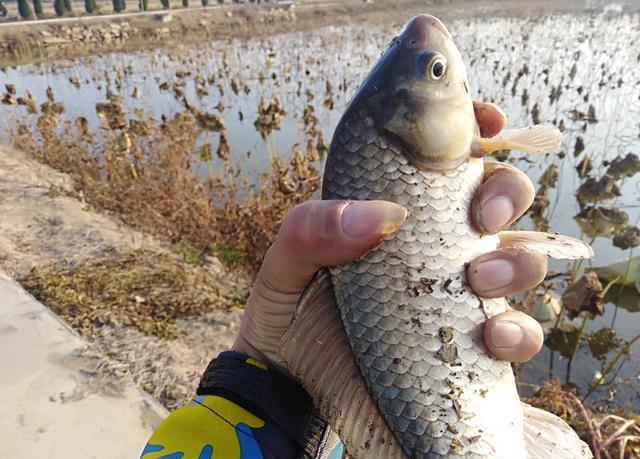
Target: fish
{"points": [[402, 369]]}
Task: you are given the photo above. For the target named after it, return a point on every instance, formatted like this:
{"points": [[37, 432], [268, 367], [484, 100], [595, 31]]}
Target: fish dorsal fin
{"points": [[546, 436], [534, 139]]}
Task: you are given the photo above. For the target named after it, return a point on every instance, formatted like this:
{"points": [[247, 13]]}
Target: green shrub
{"points": [[24, 9], [185, 3], [37, 7], [143, 5], [67, 6], [165, 4], [58, 6], [118, 5], [205, 2], [90, 6]]}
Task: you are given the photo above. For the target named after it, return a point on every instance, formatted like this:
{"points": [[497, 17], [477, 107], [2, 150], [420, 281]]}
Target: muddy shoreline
{"points": [[34, 43]]}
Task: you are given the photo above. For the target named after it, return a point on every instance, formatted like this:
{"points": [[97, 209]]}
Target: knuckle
{"points": [[310, 225]]}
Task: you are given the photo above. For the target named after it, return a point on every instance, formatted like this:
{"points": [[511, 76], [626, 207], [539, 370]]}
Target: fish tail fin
{"points": [[548, 436], [534, 139], [553, 245]]}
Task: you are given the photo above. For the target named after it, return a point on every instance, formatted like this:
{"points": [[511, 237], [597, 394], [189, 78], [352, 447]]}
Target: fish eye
{"points": [[437, 67]]}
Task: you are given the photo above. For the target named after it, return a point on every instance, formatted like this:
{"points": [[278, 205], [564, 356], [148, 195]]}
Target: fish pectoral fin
{"points": [[533, 139], [549, 244], [548, 436]]}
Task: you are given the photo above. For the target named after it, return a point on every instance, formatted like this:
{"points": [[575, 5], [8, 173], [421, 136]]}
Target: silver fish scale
{"points": [[412, 321]]}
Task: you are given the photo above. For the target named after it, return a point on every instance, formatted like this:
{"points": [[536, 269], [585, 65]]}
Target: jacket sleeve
{"points": [[244, 410]]}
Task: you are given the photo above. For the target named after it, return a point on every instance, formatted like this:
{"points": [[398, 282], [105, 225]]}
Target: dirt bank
{"points": [[93, 35], [133, 297]]}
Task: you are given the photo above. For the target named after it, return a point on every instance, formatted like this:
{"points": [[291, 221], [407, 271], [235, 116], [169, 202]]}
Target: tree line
{"points": [[62, 7]]}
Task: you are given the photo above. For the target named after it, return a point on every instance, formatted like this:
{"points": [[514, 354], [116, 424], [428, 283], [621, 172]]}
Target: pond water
{"points": [[580, 72]]}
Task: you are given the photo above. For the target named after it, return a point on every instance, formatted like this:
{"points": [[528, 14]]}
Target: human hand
{"points": [[316, 234]]}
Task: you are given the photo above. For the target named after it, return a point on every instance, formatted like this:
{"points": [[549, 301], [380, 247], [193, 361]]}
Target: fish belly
{"points": [[413, 323]]}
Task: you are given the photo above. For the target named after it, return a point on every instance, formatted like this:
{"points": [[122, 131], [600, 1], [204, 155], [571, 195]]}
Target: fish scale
{"points": [[413, 323]]}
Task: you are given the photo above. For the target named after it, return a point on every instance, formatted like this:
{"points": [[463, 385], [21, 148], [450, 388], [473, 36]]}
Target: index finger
{"points": [[491, 119]]}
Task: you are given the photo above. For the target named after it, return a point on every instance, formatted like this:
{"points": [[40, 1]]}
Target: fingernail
{"points": [[493, 274], [369, 218], [496, 213], [507, 334], [500, 111]]}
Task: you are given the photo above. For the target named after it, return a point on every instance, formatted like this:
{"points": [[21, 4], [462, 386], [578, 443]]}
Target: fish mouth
{"points": [[424, 164], [434, 97], [418, 28]]}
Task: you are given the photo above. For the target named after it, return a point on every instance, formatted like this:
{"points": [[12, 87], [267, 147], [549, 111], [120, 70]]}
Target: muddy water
{"points": [[581, 72]]}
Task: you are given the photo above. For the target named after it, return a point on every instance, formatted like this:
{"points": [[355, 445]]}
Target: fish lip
{"points": [[426, 98], [424, 165]]}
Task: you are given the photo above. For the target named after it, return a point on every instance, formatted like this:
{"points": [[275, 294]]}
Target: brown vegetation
{"points": [[143, 171], [609, 435]]}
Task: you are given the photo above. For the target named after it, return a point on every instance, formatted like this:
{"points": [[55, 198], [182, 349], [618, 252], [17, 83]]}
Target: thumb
{"points": [[326, 233], [314, 234]]}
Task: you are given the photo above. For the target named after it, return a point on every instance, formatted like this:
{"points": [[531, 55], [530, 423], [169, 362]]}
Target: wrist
{"points": [[270, 396], [242, 346]]}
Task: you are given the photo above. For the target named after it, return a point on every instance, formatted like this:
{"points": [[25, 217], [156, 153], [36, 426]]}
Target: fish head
{"points": [[418, 93]]}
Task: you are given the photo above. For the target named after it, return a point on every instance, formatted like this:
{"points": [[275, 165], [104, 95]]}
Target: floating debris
{"points": [[113, 113], [595, 190], [564, 339], [601, 342], [209, 121], [628, 237], [74, 80], [269, 116], [139, 127], [601, 221], [205, 153], [83, 126], [29, 102], [541, 201], [624, 167], [584, 295], [52, 108], [9, 99], [535, 114], [579, 146], [223, 148], [584, 167], [543, 305]]}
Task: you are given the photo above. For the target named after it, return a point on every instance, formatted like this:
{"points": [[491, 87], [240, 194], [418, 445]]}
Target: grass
{"points": [[145, 290]]}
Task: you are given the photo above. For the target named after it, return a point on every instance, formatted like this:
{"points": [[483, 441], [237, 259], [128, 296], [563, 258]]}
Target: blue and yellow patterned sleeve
{"points": [[244, 410]]}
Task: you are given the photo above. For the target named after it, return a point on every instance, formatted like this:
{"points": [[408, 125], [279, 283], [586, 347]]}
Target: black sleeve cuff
{"points": [[270, 396]]}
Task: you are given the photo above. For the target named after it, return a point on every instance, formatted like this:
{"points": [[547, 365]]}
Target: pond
{"points": [[579, 72]]}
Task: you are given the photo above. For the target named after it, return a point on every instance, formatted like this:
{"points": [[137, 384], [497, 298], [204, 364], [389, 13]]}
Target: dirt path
{"points": [[53, 384], [34, 41], [46, 228], [45, 221], [159, 13]]}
